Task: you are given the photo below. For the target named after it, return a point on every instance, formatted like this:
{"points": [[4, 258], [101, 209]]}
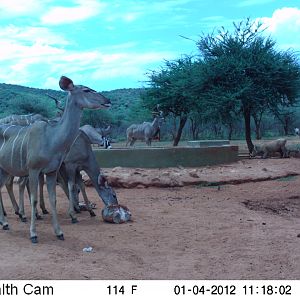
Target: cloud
{"points": [[128, 64], [31, 35], [133, 10], [25, 61], [63, 15], [284, 27], [10, 8], [247, 3]]}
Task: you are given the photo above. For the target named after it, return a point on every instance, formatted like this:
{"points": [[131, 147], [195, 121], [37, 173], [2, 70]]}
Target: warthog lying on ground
{"points": [[267, 149]]}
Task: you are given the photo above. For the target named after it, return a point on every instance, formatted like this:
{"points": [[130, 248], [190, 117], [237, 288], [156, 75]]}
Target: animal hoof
{"points": [[92, 214], [45, 211], [17, 213], [61, 237], [39, 217], [24, 219], [5, 227], [74, 221], [34, 239]]}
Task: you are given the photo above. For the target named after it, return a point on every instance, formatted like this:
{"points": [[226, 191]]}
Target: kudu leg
{"points": [[72, 195], [9, 186], [62, 179], [37, 215], [33, 187], [80, 182], [51, 186], [22, 183], [3, 221], [42, 200], [132, 142]]}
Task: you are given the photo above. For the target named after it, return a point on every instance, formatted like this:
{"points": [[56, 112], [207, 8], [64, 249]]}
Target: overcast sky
{"points": [[110, 44]]}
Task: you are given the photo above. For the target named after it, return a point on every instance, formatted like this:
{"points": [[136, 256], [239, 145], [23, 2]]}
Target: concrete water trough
{"points": [[207, 143], [164, 157]]}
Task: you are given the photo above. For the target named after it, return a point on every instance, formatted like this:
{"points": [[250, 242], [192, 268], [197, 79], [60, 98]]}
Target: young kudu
{"points": [[42, 147]]}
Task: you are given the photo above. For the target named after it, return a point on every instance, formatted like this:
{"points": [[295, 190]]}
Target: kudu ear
{"points": [[66, 83]]}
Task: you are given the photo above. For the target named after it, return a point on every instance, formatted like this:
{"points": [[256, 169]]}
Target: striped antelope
{"points": [[80, 157], [42, 147], [145, 131], [22, 120]]}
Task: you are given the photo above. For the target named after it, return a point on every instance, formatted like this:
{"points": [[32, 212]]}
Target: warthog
{"points": [[267, 149]]}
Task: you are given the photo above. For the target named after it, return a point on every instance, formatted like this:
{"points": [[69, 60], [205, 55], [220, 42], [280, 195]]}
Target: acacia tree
{"points": [[246, 66], [172, 88], [286, 116]]}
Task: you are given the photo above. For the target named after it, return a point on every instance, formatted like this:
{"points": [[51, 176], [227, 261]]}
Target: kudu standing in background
{"points": [[42, 147], [145, 131]]}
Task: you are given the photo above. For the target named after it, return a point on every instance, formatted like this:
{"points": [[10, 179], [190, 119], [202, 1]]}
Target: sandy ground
{"points": [[236, 229]]}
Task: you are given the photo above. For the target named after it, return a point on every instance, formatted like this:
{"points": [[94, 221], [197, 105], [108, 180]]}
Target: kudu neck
{"points": [[67, 127], [155, 123]]}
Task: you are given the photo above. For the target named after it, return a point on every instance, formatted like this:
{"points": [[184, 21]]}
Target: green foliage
{"points": [[245, 74], [170, 87], [237, 76], [20, 100], [126, 106]]}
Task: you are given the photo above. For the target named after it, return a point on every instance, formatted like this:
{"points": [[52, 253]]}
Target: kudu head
{"points": [[83, 96], [92, 134], [104, 131], [159, 116], [107, 193]]}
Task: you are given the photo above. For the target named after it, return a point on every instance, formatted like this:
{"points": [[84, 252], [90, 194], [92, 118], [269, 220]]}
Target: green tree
{"points": [[172, 87], [98, 118], [245, 72]]}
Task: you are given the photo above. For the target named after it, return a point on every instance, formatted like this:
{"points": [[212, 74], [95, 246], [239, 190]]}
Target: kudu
{"points": [[42, 147], [25, 120], [144, 131], [62, 180], [81, 157]]}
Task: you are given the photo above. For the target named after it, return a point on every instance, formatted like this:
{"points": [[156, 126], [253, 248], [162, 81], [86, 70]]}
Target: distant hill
{"points": [[17, 99]]}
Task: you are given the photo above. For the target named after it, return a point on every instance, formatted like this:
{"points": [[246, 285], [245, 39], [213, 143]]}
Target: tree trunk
{"points": [[247, 118], [174, 127], [194, 128], [179, 131], [230, 131], [257, 130], [257, 121], [286, 126]]}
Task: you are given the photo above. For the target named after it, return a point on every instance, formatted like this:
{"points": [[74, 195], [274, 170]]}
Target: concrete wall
{"points": [[208, 143], [165, 157]]}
